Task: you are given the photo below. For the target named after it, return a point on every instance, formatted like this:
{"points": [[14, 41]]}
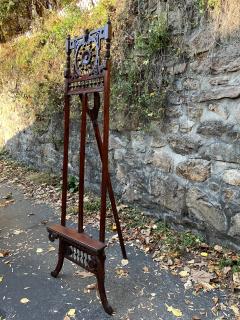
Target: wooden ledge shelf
{"points": [[73, 236]]}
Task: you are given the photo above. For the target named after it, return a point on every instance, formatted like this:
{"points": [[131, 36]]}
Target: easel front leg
{"points": [[101, 286], [60, 259]]}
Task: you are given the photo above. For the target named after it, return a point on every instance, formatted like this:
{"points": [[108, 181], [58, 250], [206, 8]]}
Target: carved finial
{"points": [[68, 44], [86, 35]]}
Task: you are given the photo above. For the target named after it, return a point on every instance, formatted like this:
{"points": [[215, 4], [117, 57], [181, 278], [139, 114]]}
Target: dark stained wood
{"points": [[73, 235], [87, 72], [82, 161], [93, 114], [66, 139]]}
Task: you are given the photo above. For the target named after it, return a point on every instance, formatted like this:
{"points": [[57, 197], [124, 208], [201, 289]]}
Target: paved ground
{"points": [[26, 274]]}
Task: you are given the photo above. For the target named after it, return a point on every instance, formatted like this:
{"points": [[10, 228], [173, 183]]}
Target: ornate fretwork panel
{"points": [[90, 84], [89, 53], [81, 258]]}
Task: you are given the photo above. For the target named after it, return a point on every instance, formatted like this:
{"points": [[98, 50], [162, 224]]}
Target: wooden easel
{"points": [[87, 72]]}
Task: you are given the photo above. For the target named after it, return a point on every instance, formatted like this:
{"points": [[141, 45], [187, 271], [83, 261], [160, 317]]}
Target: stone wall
{"points": [[184, 169]]}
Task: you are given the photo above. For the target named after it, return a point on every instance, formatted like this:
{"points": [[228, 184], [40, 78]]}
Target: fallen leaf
{"points": [[236, 279], [206, 286], [218, 248], [121, 272], [188, 284], [175, 312], [215, 300], [191, 261], [235, 309], [84, 274], [226, 270], [184, 274], [204, 254], [4, 203], [200, 276], [124, 262], [24, 300], [4, 254], [145, 269], [1, 279], [114, 227], [51, 249], [39, 250], [196, 318], [71, 313], [17, 231], [90, 287]]}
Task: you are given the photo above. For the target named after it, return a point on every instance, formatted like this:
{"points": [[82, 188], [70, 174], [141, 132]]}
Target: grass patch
{"points": [[43, 178]]}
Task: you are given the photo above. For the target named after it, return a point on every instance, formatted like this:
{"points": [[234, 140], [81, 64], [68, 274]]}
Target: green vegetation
{"points": [[16, 16], [35, 62], [136, 98], [136, 95], [156, 39], [230, 262], [209, 4], [162, 234], [73, 184], [43, 178]]}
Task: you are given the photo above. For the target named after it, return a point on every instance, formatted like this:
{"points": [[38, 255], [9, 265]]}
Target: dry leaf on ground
{"points": [[236, 280], [3, 253], [17, 232], [90, 287], [24, 300], [204, 254], [71, 313], [174, 311], [124, 262], [200, 276], [84, 274], [184, 274], [121, 272], [145, 269]]}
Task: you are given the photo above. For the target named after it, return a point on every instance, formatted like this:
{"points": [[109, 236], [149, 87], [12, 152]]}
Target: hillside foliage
{"points": [[32, 56]]}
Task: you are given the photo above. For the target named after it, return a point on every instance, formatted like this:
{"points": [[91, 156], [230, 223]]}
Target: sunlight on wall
{"points": [[227, 20], [13, 119]]}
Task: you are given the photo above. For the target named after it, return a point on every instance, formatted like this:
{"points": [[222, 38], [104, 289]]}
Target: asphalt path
{"points": [[134, 294]]}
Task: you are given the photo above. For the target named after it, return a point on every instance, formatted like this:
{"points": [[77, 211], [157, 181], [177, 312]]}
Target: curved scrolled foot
{"points": [[58, 268], [102, 293], [52, 236], [54, 274], [108, 308], [59, 265]]}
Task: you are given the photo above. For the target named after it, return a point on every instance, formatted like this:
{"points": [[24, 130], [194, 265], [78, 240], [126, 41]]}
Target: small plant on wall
{"points": [[208, 4], [155, 39], [137, 96]]}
